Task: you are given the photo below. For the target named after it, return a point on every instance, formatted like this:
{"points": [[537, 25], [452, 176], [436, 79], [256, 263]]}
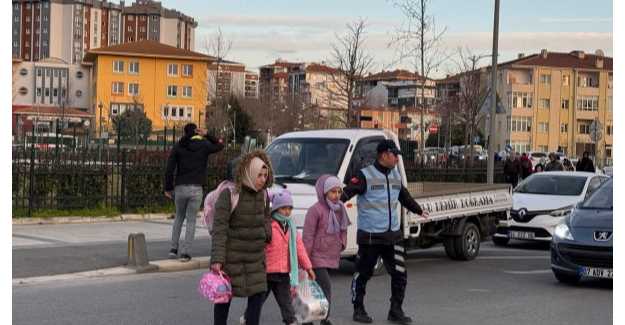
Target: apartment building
{"points": [[67, 29], [231, 80], [552, 99], [273, 81], [251, 85], [167, 83], [395, 88]]}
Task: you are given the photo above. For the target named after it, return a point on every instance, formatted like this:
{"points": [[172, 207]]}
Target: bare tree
{"points": [[351, 60], [418, 41], [219, 46]]}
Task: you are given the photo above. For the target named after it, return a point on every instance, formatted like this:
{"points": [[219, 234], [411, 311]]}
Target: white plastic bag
{"points": [[310, 304]]}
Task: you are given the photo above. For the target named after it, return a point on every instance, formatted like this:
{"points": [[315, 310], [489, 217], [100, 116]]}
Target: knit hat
{"points": [[330, 183], [281, 199]]}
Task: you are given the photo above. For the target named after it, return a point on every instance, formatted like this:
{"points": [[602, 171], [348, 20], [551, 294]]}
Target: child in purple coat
{"points": [[325, 232]]}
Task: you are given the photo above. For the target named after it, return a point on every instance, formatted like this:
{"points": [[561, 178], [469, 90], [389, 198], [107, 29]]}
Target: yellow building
{"points": [[169, 84], [551, 101]]}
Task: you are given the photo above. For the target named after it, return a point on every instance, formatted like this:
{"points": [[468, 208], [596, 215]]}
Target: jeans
{"points": [[187, 199], [252, 312]]}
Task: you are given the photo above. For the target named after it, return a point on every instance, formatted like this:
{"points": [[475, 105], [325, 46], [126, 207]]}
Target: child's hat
{"points": [[281, 199]]}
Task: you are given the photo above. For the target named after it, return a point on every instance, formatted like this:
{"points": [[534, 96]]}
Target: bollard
{"points": [[138, 254]]}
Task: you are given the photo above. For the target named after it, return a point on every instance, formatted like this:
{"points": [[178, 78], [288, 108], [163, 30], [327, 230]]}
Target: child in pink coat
{"points": [[285, 255], [325, 232]]}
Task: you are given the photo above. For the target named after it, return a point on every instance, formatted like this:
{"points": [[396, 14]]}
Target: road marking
{"points": [[528, 272], [41, 239], [529, 257]]}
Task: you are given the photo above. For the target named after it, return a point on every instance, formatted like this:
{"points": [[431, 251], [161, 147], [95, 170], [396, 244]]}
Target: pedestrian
{"points": [[512, 169], [325, 233], [380, 191], [285, 256], [539, 168], [568, 166], [554, 164], [585, 164], [526, 166], [184, 176], [240, 236]]}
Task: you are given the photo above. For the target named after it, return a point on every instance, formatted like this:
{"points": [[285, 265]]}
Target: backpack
{"points": [[211, 199], [208, 213]]}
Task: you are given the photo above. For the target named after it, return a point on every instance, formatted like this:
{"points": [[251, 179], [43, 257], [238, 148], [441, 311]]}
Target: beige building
{"points": [[231, 81], [551, 101]]}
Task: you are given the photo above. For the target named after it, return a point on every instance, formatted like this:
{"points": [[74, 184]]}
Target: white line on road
{"points": [[529, 257], [528, 272]]}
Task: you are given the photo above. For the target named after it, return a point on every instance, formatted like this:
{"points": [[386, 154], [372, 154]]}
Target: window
{"points": [[23, 72], [79, 93], [565, 104], [543, 148], [172, 70], [588, 103], [27, 31], [520, 146], [610, 82], [187, 70], [133, 67], [521, 124], [79, 74], [118, 88], [608, 129], [545, 79], [584, 127], [545, 103], [172, 91], [521, 100], [187, 91], [23, 91], [131, 18], [564, 128], [38, 91], [118, 66], [587, 81], [47, 92], [56, 73], [55, 92], [189, 111], [543, 127], [181, 111], [133, 89], [38, 72]]}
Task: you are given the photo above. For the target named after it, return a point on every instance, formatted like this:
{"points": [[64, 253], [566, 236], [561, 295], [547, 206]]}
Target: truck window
{"points": [[364, 155]]}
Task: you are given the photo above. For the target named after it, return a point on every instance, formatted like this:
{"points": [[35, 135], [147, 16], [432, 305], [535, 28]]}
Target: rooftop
{"points": [[574, 59], [147, 48]]}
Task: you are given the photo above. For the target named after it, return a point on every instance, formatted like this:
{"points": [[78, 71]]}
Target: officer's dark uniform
{"points": [[379, 191]]}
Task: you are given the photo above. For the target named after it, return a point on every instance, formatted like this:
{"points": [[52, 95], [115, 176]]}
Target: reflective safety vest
{"points": [[377, 208]]}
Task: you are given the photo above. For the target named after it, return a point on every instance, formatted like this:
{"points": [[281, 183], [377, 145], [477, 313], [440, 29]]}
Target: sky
{"points": [[303, 30]]}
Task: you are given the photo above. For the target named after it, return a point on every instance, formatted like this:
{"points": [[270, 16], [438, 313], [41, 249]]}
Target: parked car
{"points": [[538, 157], [582, 243], [541, 201]]}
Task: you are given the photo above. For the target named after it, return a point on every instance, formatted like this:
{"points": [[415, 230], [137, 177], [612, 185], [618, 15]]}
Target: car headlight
{"points": [[562, 211], [563, 232]]}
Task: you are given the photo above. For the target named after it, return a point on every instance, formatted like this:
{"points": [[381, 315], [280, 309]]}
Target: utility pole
{"points": [[490, 171]]}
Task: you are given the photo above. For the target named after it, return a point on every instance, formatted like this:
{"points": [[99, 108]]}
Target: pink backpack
{"points": [[211, 199]]}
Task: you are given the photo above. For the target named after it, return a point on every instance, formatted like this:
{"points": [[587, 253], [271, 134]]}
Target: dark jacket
{"points": [[554, 166], [188, 161], [585, 165], [358, 186], [240, 237], [512, 167]]}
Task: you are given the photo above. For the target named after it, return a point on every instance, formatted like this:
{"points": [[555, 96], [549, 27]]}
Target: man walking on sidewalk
{"points": [[380, 190], [188, 162]]}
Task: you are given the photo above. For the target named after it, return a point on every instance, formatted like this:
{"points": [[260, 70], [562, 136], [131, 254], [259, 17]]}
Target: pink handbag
{"points": [[215, 287]]}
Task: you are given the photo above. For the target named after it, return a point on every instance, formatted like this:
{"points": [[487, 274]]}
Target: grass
{"points": [[94, 212]]}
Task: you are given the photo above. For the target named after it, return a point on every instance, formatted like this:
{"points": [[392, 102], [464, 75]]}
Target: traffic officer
{"points": [[379, 188]]}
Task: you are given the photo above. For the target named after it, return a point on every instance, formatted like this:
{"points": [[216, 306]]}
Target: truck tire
{"points": [[468, 243], [450, 248], [501, 241]]}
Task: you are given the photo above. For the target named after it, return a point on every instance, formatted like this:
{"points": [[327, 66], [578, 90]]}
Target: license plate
{"points": [[593, 272], [521, 234]]}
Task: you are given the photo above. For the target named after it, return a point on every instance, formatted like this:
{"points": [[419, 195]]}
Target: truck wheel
{"points": [[450, 248], [468, 244], [501, 241]]}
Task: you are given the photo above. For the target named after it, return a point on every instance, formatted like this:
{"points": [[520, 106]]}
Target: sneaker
{"points": [[173, 253], [242, 320], [185, 258], [361, 316]]}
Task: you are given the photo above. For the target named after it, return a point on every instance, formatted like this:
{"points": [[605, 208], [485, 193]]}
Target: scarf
{"points": [[333, 224], [251, 173], [294, 272]]}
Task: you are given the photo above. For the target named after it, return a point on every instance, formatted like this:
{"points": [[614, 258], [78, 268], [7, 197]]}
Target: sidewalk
{"points": [[52, 249]]}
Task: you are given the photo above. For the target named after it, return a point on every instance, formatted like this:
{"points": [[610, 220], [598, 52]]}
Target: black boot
{"points": [[396, 315], [361, 316]]}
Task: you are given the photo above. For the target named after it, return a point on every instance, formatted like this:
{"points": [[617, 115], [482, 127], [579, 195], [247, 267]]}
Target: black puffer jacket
{"points": [[188, 161]]}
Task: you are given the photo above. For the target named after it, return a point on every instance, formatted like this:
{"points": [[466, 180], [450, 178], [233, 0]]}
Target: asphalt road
{"points": [[503, 286]]}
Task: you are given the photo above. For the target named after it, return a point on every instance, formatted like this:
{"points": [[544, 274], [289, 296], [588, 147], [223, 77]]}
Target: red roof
{"points": [[563, 60], [398, 74], [147, 48], [50, 110], [281, 75], [316, 67]]}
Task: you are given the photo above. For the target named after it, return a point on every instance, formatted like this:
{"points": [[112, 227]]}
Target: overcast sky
{"points": [[262, 31]]}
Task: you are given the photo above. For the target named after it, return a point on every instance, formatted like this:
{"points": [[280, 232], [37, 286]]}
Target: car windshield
{"points": [[304, 160], [601, 199], [552, 185]]}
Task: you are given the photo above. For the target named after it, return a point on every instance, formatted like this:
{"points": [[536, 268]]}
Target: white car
{"points": [[541, 201]]}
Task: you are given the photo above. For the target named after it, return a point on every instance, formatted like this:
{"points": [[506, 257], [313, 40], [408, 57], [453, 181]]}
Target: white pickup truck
{"points": [[461, 215]]}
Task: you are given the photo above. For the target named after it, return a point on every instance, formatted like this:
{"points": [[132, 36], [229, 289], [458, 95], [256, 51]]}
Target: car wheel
{"points": [[501, 241], [566, 277], [450, 248], [468, 244]]}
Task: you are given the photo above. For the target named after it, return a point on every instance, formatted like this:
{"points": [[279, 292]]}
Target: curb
{"points": [[162, 266], [102, 219]]}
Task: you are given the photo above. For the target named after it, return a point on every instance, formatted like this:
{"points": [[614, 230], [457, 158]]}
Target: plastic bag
{"points": [[310, 303], [215, 287]]}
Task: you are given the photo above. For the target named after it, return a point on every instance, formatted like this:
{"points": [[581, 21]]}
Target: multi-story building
{"points": [[251, 85], [169, 84], [552, 99], [317, 85], [67, 29], [273, 81], [395, 89], [231, 80]]}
